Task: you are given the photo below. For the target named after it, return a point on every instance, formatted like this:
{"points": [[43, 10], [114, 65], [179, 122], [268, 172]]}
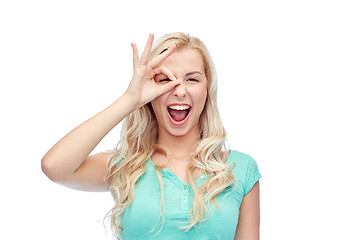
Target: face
{"points": [[178, 111]]}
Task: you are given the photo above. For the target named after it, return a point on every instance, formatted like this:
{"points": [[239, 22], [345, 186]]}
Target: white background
{"points": [[281, 68]]}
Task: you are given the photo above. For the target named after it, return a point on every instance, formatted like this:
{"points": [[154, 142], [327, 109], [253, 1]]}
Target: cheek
{"points": [[154, 105], [200, 98], [158, 106]]}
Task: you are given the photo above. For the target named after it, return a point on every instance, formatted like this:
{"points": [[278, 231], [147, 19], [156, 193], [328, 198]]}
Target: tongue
{"points": [[178, 115]]}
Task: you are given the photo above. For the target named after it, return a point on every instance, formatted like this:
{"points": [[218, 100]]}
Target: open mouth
{"points": [[178, 113]]}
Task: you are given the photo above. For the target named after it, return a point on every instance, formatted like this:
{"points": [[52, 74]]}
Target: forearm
{"points": [[68, 154]]}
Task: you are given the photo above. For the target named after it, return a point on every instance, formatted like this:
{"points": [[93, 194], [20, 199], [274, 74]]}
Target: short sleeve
{"points": [[252, 175]]}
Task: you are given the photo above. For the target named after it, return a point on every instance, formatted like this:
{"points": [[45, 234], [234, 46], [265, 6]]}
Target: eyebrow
{"points": [[191, 73]]}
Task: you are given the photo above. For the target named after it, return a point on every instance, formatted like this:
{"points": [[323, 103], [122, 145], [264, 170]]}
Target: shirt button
{"points": [[185, 201], [185, 187], [202, 176]]}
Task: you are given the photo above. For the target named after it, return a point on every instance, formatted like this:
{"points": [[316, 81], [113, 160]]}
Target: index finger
{"points": [[160, 58]]}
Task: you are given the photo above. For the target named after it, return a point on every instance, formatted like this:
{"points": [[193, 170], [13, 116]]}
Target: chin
{"points": [[178, 133], [181, 131]]}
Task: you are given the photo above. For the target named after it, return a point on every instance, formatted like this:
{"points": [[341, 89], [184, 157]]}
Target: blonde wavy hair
{"points": [[139, 140]]}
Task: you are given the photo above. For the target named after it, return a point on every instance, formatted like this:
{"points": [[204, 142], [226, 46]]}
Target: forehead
{"points": [[183, 61]]}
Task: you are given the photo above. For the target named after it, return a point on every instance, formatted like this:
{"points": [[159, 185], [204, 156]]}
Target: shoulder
{"points": [[245, 169], [241, 159]]}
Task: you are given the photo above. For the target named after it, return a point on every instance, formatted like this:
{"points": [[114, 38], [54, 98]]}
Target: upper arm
{"points": [[90, 175], [249, 216]]}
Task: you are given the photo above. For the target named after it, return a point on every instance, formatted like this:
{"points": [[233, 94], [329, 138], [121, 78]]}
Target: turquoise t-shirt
{"points": [[140, 219]]}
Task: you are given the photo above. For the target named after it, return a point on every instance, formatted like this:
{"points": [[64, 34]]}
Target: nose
{"points": [[180, 90]]}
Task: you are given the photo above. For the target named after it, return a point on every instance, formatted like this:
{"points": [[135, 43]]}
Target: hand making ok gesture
{"points": [[142, 88]]}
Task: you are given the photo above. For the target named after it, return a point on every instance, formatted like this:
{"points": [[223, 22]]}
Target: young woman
{"points": [[171, 175]]}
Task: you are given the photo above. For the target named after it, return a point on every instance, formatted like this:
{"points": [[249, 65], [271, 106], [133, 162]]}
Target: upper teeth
{"points": [[179, 107]]}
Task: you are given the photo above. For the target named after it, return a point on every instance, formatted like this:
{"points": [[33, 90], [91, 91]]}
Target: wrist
{"points": [[129, 101]]}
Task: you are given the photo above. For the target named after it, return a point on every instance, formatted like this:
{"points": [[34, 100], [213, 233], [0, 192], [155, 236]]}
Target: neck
{"points": [[180, 146]]}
